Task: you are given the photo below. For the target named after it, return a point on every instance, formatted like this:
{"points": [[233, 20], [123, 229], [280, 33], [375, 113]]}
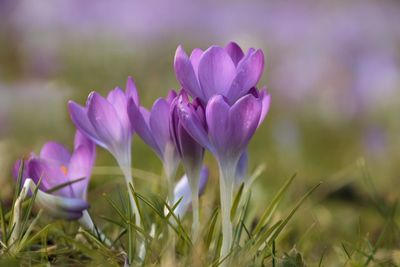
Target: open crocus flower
{"points": [[219, 71], [191, 154], [154, 129], [182, 191], [105, 121], [55, 167], [226, 132]]}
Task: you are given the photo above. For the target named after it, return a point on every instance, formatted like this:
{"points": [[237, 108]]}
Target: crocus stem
{"points": [[227, 173], [193, 179], [87, 223]]}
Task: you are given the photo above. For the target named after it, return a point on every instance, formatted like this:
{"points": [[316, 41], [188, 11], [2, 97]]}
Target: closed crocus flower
{"points": [[191, 154], [56, 167], [226, 132], [153, 128], [105, 121], [219, 71]]}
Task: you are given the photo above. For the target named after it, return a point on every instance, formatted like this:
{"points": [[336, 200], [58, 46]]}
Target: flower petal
{"points": [[249, 72], [55, 152], [159, 123], [195, 59], [80, 119], [192, 123], [185, 73], [117, 98], [105, 121], [139, 118], [235, 52], [266, 102], [131, 91], [244, 117], [217, 114], [216, 72]]}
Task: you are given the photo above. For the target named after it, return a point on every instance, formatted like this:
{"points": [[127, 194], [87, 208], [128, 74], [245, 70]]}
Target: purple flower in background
{"points": [[219, 71], [190, 152], [56, 166], [105, 121], [153, 128]]}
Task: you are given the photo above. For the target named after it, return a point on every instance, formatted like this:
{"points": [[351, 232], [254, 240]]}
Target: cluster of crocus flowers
{"points": [[224, 80], [217, 109]]}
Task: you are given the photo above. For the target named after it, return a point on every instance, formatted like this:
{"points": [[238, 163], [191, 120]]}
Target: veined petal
{"points": [[216, 72], [139, 118], [105, 121], [55, 152], [195, 59], [235, 52], [131, 91], [193, 124], [80, 119], [248, 74], [217, 116], [266, 102], [185, 73], [244, 117], [159, 123], [118, 99]]}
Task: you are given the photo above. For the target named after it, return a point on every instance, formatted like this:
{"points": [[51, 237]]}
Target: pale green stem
{"points": [[87, 223], [193, 177], [226, 180]]}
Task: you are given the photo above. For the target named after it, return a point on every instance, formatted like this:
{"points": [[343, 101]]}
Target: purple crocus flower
{"points": [[153, 127], [56, 166], [219, 71], [105, 121], [226, 132], [190, 152]]}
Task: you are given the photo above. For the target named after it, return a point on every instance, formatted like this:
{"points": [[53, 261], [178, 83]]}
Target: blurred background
{"points": [[332, 68]]}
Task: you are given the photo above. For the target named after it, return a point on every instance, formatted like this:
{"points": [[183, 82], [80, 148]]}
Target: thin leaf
{"points": [[236, 201]]}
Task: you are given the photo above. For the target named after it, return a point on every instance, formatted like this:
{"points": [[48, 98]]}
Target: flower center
{"points": [[64, 169]]}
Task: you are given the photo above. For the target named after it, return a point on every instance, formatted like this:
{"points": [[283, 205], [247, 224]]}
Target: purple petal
{"points": [[191, 152], [117, 98], [80, 119], [185, 73], [216, 72], [82, 140], [131, 91], [51, 175], [235, 52], [265, 101], [244, 117], [193, 124], [241, 168], [80, 166], [105, 121], [195, 59], [139, 118], [55, 152], [159, 123], [217, 116], [249, 72]]}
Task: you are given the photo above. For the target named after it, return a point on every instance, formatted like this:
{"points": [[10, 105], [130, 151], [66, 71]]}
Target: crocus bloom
{"points": [[56, 166], [191, 154], [153, 128], [105, 121], [226, 133], [219, 71]]}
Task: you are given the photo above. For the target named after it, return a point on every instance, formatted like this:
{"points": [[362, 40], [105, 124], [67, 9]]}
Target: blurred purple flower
{"points": [[56, 166], [153, 128], [219, 71]]}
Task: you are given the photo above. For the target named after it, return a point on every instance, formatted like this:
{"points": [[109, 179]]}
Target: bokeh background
{"points": [[332, 68]]}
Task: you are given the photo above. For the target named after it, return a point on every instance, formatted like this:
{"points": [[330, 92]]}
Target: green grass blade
{"points": [[236, 201], [3, 224], [273, 205], [211, 229]]}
